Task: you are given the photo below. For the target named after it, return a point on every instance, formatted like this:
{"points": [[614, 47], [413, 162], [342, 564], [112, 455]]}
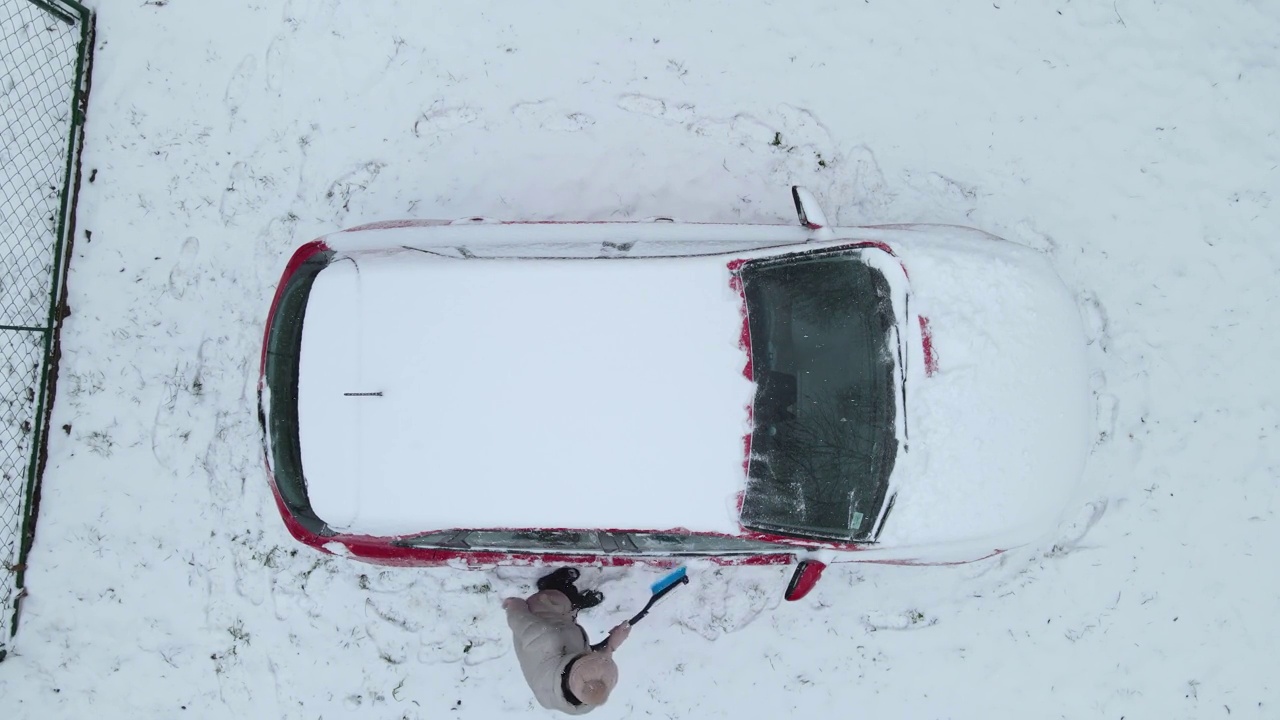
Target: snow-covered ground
{"points": [[1135, 142]]}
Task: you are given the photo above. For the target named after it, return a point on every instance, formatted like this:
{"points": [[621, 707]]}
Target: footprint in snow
{"points": [[1096, 324], [1108, 411], [958, 193], [239, 82], [440, 120], [548, 116], [276, 62], [464, 649], [1074, 534], [801, 127], [908, 620], [181, 276], [743, 130], [353, 183], [682, 114], [861, 181], [1026, 233], [233, 193], [720, 602]]}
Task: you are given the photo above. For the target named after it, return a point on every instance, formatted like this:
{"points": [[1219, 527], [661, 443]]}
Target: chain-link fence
{"points": [[45, 47]]}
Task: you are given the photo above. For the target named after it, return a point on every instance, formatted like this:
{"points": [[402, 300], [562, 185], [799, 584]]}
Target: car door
{"points": [[636, 544], [554, 542], [648, 544]]}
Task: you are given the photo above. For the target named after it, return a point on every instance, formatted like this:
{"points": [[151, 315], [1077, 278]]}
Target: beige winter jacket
{"points": [[546, 639]]}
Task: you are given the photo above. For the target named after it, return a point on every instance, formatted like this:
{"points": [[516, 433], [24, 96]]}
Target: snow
{"points": [[1134, 143], [555, 394], [999, 434]]}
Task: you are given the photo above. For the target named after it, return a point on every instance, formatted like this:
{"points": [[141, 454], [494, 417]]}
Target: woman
{"points": [[565, 672]]}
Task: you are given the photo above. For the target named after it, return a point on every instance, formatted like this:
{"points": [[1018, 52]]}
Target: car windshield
{"points": [[823, 442]]}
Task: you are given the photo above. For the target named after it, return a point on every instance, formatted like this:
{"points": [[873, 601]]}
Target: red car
{"points": [[607, 393]]}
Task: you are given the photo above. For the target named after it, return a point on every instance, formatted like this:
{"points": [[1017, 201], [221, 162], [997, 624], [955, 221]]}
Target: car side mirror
{"points": [[804, 578], [810, 213]]}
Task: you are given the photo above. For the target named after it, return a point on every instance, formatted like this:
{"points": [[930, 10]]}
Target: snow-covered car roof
{"points": [[523, 393]]}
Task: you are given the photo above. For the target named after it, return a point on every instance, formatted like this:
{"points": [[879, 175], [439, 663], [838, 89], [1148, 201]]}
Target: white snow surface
{"points": [[545, 393], [1133, 143], [999, 433]]}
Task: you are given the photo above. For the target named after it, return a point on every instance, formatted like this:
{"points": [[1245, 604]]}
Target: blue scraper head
{"points": [[678, 575]]}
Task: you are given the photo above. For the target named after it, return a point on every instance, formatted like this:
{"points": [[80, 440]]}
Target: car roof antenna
{"points": [[810, 213]]}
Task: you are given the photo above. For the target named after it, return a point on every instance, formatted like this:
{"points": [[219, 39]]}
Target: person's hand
{"points": [[618, 635], [513, 603]]}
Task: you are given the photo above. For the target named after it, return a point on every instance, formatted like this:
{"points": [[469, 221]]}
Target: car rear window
{"points": [[823, 441], [279, 412]]}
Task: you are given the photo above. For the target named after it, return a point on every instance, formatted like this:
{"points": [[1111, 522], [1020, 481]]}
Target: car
{"points": [[604, 393]]}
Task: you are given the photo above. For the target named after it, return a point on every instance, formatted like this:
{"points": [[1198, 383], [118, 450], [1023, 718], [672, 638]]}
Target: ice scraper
{"points": [[660, 589]]}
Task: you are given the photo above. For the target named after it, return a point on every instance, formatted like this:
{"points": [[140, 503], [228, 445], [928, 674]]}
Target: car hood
{"points": [[998, 426]]}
